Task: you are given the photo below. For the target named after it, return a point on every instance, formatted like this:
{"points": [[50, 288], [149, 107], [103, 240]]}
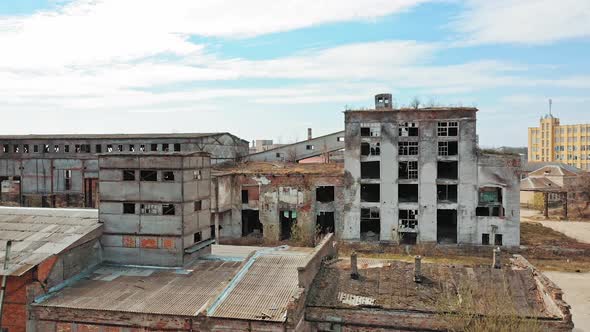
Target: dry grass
{"points": [[535, 234]]}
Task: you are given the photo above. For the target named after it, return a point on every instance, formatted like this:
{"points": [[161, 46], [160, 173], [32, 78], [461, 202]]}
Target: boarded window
{"points": [[168, 209], [129, 208], [128, 175], [148, 176]]}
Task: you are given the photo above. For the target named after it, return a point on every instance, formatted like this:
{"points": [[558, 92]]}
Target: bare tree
{"points": [[415, 103], [579, 191]]}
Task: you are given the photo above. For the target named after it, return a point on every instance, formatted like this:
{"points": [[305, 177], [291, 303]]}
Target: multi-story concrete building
{"points": [[554, 142], [154, 206], [62, 170], [417, 175]]}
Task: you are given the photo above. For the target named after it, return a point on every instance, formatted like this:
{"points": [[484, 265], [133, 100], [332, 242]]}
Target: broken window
{"points": [[66, 148], [407, 129], [324, 194], [408, 219], [370, 149], [120, 148], [449, 148], [36, 148], [5, 148], [98, 148], [448, 128], [197, 237], [128, 175], [168, 209], [149, 209], [339, 139], [485, 239], [490, 202], [371, 130], [16, 148], [198, 205], [197, 175], [408, 193], [165, 147], [77, 148], [109, 148], [370, 170], [148, 176], [244, 196], [408, 170], [408, 148], [168, 176], [447, 193], [446, 226], [448, 170], [142, 148], [497, 239], [46, 148], [309, 147], [131, 148], [154, 147], [68, 179], [129, 208], [26, 148], [325, 222], [370, 192], [370, 224], [177, 147]]}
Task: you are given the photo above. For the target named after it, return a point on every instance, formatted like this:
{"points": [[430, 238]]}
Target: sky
{"points": [[269, 69]]}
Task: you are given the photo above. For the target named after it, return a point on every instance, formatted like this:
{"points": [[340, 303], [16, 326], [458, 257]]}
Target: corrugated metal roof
{"points": [[266, 289], [38, 234], [147, 290]]}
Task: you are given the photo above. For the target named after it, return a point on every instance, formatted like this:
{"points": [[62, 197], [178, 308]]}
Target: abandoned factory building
{"points": [[417, 175], [62, 170]]}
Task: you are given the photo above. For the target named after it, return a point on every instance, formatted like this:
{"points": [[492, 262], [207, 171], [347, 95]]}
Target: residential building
{"points": [[554, 142], [418, 176]]}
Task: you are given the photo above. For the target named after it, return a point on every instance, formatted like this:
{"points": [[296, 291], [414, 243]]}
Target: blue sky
{"points": [[270, 69]]}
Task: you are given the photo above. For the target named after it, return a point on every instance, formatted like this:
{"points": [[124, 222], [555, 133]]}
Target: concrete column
{"points": [[217, 235]]}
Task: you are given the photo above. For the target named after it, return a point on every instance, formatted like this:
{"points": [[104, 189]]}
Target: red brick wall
{"points": [[14, 310]]}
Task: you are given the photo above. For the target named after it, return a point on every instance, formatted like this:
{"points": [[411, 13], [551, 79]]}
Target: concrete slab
{"points": [[576, 288]]}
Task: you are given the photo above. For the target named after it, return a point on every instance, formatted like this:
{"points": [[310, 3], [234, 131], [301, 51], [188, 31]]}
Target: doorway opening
{"points": [[446, 226]]}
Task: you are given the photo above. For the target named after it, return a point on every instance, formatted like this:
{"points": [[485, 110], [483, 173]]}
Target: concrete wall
{"points": [[152, 237]]}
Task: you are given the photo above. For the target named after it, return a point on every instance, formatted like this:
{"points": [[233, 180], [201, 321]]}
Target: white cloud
{"points": [[524, 21]]}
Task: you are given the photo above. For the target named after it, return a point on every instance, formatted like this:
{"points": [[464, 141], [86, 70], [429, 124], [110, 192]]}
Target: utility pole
{"points": [[4, 278]]}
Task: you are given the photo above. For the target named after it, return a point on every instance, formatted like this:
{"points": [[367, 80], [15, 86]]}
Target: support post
{"points": [[497, 258], [546, 205], [418, 269], [354, 272]]}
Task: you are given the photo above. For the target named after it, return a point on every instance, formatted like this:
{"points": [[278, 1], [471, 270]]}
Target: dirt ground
{"points": [[576, 288], [579, 230]]}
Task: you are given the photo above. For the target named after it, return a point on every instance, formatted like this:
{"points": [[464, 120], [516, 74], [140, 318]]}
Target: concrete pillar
{"points": [[497, 258], [354, 273], [217, 227], [418, 269]]}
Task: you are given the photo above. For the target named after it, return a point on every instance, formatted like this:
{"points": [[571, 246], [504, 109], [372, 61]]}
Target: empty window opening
{"points": [[324, 194], [85, 148], [98, 148], [128, 175], [149, 209], [77, 148], [142, 148], [46, 148], [497, 239], [371, 130], [309, 147], [197, 175], [408, 170], [407, 129], [370, 224], [109, 148], [446, 226], [408, 238], [154, 147], [197, 237], [288, 219], [447, 193], [339, 139], [370, 170], [278, 155], [120, 148], [148, 176], [198, 206], [370, 192], [325, 222], [5, 148], [66, 148], [244, 196], [251, 223], [131, 148], [16, 148], [449, 148], [26, 148], [408, 148], [370, 149], [408, 220], [485, 239], [68, 179], [408, 193], [448, 128], [168, 209], [490, 202], [168, 176], [166, 147], [129, 208], [177, 147], [448, 170], [36, 148]]}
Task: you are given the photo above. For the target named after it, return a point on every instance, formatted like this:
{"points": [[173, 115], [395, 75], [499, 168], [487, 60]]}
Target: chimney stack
{"points": [[418, 269], [309, 133], [497, 258], [354, 272]]}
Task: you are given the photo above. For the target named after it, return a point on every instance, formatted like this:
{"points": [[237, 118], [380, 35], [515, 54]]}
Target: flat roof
{"points": [[390, 286], [279, 168], [420, 109], [38, 233], [108, 136], [154, 154]]}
